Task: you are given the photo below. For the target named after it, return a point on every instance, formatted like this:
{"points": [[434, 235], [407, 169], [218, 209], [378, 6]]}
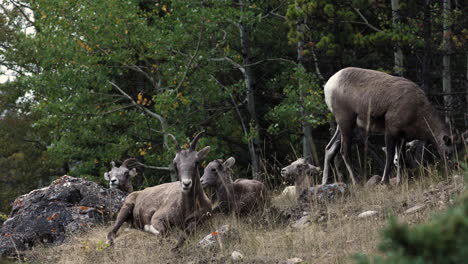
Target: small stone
{"points": [[236, 255], [367, 214], [302, 222], [294, 261], [457, 179], [394, 181], [374, 180], [225, 234], [415, 208]]}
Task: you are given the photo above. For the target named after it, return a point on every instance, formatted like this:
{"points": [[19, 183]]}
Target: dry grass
{"points": [[334, 235]]}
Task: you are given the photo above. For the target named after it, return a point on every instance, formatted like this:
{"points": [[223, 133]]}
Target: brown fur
{"points": [[242, 196], [178, 204], [121, 177], [380, 103]]}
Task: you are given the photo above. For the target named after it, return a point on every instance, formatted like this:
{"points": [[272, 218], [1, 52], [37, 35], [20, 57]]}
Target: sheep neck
{"points": [[195, 198], [225, 190], [301, 183]]}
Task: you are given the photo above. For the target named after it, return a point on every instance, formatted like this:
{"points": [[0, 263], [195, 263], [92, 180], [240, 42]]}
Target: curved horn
{"points": [[113, 164], [127, 161], [193, 144], [175, 141]]}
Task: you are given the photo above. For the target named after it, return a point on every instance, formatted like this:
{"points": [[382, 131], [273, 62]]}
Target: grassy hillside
{"points": [[334, 235]]}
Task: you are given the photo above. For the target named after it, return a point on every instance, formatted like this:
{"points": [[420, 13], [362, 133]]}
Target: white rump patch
{"points": [[151, 229], [332, 84]]}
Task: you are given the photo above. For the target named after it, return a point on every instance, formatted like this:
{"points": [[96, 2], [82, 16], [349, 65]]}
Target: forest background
{"points": [[96, 81]]}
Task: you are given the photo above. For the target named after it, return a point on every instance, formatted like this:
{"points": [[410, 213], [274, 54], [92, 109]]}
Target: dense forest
{"points": [[96, 81]]}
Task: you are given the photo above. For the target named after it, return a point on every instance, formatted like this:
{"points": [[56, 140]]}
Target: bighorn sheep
{"points": [[380, 103], [299, 170], [242, 196], [120, 177], [178, 204]]}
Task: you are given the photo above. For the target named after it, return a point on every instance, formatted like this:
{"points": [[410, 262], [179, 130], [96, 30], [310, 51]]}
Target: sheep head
{"points": [[186, 163], [120, 177], [216, 172], [299, 168]]}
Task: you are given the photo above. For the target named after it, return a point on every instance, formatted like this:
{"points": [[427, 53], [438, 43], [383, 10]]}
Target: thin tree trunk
{"points": [[309, 151], [466, 89], [446, 74], [427, 56], [398, 52], [254, 142]]}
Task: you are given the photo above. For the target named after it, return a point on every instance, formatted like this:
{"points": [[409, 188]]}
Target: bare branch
{"points": [[189, 64], [161, 119], [366, 21]]}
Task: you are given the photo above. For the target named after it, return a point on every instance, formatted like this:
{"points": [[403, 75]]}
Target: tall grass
{"points": [[334, 235]]}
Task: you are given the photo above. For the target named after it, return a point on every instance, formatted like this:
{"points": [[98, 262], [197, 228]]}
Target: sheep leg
{"points": [[190, 224], [124, 214], [401, 159], [346, 137], [390, 144], [330, 153]]}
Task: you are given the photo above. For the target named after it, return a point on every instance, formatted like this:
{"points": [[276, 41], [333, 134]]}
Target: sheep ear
{"points": [[202, 153], [106, 176], [133, 173], [229, 162]]}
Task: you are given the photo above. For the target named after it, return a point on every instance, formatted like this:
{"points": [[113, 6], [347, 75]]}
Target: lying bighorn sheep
{"points": [[181, 204], [242, 196], [120, 177], [300, 170], [380, 103]]}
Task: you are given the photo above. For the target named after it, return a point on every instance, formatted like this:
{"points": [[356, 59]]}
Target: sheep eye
{"points": [[213, 170]]}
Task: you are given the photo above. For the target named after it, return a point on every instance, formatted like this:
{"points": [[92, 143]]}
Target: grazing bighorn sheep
{"points": [[242, 196], [177, 204], [300, 170], [380, 103], [120, 177]]}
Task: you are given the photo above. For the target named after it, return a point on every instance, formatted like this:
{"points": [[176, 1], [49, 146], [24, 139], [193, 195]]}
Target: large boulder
{"points": [[48, 215]]}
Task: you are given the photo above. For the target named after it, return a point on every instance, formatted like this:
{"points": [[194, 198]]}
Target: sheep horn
{"points": [[175, 141], [193, 144], [113, 164]]}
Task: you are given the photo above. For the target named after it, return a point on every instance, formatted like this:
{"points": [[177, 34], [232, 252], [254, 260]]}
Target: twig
{"points": [[366, 21]]}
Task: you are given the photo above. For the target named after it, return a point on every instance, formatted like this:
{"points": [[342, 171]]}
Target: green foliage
{"points": [[177, 59], [443, 240], [303, 102]]}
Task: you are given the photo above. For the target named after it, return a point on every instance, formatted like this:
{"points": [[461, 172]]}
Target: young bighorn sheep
{"points": [[242, 196], [178, 204], [120, 177], [380, 103], [300, 170]]}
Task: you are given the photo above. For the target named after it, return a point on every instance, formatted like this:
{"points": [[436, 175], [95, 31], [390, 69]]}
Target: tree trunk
{"points": [[446, 45], [249, 83], [427, 55], [398, 52], [309, 151]]}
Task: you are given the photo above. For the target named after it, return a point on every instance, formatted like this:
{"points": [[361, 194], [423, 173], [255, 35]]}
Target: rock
{"points": [[394, 181], [374, 180], [224, 235], [302, 222], [48, 215], [236, 256], [324, 192], [367, 214], [415, 209], [294, 261]]}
